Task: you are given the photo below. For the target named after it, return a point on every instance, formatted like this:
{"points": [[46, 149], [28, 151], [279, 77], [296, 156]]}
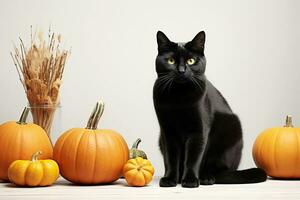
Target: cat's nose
{"points": [[181, 69]]}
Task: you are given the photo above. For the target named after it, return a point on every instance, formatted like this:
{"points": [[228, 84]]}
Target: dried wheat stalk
{"points": [[40, 68]]}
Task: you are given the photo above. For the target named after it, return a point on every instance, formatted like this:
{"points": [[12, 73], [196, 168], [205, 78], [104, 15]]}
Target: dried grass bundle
{"points": [[40, 68]]}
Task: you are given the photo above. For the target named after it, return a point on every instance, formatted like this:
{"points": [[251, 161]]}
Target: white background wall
{"points": [[252, 51]]}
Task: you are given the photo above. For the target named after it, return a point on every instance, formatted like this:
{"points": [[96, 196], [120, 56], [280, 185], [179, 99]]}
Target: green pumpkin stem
{"points": [[35, 156], [95, 116], [24, 116], [99, 115], [136, 143], [288, 121]]}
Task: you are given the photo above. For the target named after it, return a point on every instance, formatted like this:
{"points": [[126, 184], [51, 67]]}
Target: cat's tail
{"points": [[253, 175]]}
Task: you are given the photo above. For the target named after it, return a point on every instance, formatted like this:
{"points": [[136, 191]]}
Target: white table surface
{"points": [[271, 189]]}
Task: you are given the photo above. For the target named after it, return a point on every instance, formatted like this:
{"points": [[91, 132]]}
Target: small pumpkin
{"points": [[19, 140], [135, 152], [33, 172], [276, 150], [89, 155], [138, 171]]}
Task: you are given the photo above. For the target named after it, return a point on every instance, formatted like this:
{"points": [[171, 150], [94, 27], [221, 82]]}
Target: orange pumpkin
{"points": [[33, 172], [91, 156], [138, 171], [19, 140], [276, 150]]}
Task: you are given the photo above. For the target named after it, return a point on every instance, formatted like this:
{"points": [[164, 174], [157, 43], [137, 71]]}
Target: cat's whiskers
{"points": [[163, 77], [170, 85], [164, 82], [161, 81], [165, 86], [197, 82]]}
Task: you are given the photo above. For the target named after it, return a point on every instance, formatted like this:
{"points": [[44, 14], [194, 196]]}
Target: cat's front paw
{"points": [[207, 180], [190, 182], [167, 182]]}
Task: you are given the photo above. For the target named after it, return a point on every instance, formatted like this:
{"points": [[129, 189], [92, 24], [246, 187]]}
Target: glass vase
{"points": [[48, 117]]}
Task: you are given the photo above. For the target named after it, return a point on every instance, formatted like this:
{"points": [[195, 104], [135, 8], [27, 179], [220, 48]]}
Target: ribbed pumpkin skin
{"points": [[138, 172], [87, 156], [277, 151], [37, 173], [19, 142]]}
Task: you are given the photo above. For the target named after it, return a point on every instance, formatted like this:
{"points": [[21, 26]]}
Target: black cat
{"points": [[201, 138]]}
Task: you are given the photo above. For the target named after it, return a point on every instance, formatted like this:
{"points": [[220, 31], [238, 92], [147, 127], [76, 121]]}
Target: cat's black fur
{"points": [[201, 138]]}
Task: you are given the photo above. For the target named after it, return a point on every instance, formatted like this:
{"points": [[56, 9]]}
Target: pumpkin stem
{"points": [[24, 115], [136, 143], [95, 116], [35, 156], [99, 114], [288, 121]]}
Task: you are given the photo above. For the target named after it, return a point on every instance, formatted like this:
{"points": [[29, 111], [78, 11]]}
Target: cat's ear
{"points": [[198, 42], [162, 41]]}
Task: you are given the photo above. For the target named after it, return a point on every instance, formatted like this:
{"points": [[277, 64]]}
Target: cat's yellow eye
{"points": [[191, 61], [171, 61]]}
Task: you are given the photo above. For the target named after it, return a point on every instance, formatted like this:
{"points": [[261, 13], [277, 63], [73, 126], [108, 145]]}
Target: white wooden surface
{"points": [[272, 189]]}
